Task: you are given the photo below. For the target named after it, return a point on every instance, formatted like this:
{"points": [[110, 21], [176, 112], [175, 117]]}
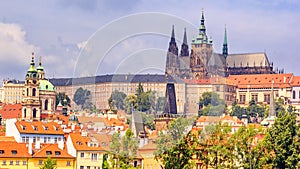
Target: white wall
{"points": [[11, 129]]}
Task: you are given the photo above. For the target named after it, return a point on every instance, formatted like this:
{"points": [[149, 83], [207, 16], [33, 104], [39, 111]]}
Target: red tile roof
{"points": [[53, 151], [13, 149], [81, 143], [262, 80], [37, 127], [10, 111]]}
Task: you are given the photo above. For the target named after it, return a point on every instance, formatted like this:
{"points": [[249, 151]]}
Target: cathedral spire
{"points": [[184, 47], [202, 28], [225, 46], [173, 34], [172, 44]]}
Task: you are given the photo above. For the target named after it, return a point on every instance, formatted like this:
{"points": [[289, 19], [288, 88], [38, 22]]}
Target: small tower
{"points": [[40, 70], [225, 46], [31, 104], [172, 63]]}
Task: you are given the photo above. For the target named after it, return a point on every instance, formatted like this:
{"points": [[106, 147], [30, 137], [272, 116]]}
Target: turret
{"points": [[40, 70]]}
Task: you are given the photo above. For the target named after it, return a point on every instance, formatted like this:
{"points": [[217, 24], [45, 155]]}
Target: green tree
{"points": [[211, 104], [247, 152], [255, 110], [148, 120], [82, 98], [122, 150], [49, 164], [237, 110], [60, 99], [172, 145], [130, 103], [160, 104], [216, 146], [117, 98], [279, 106], [282, 143]]}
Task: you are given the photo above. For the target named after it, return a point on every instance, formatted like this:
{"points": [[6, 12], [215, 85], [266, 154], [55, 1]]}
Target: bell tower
{"points": [[201, 52], [31, 104]]}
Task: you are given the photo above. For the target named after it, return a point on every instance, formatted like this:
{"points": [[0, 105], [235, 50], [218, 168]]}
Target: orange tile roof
{"points": [[37, 127], [10, 111], [53, 151], [262, 80], [13, 149], [295, 81], [81, 143], [197, 81], [7, 138], [212, 119]]}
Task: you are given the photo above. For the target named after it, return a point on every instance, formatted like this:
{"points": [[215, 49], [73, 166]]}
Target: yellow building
{"points": [[88, 153], [13, 155], [12, 91], [63, 159], [258, 87], [147, 153]]}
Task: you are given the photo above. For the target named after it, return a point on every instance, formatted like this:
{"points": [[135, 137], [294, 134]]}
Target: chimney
{"points": [[37, 145], [61, 144], [284, 79], [73, 127]]}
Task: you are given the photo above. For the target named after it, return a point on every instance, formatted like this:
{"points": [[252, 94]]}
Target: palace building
{"points": [[201, 62]]}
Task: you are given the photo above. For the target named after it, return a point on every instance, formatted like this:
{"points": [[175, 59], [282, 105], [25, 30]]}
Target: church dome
{"points": [[46, 85]]}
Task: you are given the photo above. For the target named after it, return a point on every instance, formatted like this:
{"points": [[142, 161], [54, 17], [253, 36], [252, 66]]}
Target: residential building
{"points": [[31, 132], [12, 91], [10, 111], [88, 152]]}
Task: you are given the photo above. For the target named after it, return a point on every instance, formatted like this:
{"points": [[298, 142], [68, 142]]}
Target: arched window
{"points": [[33, 92], [27, 92], [34, 113], [46, 105], [24, 112]]}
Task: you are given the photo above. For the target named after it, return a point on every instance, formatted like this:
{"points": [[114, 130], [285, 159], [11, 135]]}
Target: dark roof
{"points": [[137, 121], [170, 104], [129, 78]]}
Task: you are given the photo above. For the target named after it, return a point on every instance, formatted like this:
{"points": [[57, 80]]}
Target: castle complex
{"points": [[202, 62]]}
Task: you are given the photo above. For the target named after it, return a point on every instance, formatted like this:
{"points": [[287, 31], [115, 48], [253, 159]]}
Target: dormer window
{"points": [[57, 153], [46, 128], [35, 128], [1, 151], [48, 152], [13, 151], [79, 143], [23, 127]]}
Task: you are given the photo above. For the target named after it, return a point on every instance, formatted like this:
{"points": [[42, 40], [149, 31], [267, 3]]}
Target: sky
{"points": [[86, 38]]}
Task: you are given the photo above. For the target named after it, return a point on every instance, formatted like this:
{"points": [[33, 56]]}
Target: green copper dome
{"points": [[46, 85]]}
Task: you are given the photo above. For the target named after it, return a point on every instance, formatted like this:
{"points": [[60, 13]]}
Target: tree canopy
{"points": [[49, 164], [211, 104], [60, 99], [117, 99], [82, 98]]}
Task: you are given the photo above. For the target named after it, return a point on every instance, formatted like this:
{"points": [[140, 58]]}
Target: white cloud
{"points": [[81, 45], [13, 45]]}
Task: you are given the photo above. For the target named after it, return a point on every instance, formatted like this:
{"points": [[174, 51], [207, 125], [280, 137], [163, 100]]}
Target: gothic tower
{"points": [[172, 63], [184, 58], [31, 103], [201, 52]]}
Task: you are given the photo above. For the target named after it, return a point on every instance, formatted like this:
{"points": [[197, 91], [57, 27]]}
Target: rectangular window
{"points": [[267, 98], [1, 151], [40, 162], [4, 162], [27, 139], [14, 152], [294, 94], [11, 162], [81, 155], [48, 140], [45, 139], [68, 163], [88, 167], [34, 139], [254, 97], [55, 139], [94, 156], [17, 162], [23, 139], [242, 98], [81, 167], [24, 162]]}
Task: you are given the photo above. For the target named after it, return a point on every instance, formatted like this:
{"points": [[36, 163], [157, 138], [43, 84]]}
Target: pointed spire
{"points": [[32, 59], [173, 33], [225, 46], [184, 47], [40, 61], [202, 26], [184, 37]]}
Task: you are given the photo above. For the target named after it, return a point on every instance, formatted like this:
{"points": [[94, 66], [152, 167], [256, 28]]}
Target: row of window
{"points": [[89, 167], [11, 162], [41, 162], [255, 98], [93, 156], [25, 139]]}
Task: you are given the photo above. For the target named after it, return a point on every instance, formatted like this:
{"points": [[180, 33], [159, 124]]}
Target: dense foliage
{"points": [[82, 98]]}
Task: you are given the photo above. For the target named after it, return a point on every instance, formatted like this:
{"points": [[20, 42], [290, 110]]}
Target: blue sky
{"points": [[58, 30]]}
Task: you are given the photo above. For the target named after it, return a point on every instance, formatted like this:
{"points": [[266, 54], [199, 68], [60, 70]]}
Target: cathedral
{"points": [[201, 62], [38, 95]]}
